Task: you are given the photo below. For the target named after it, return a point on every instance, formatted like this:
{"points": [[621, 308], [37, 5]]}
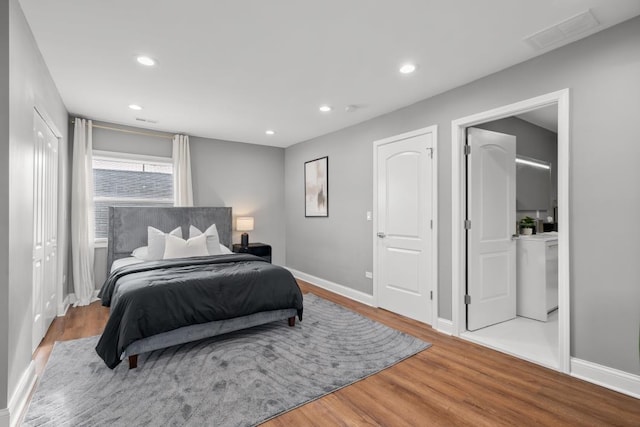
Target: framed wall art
{"points": [[316, 187]]}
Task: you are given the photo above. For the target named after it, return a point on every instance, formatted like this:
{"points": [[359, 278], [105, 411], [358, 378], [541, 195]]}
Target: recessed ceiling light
{"points": [[135, 107], [146, 60], [407, 68], [270, 132], [325, 108]]}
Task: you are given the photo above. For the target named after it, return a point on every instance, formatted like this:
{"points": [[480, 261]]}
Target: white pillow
{"points": [[141, 253], [156, 242], [213, 241], [179, 248], [224, 249]]}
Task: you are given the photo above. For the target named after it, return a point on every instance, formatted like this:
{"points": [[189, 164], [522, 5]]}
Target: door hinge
{"points": [[431, 224], [467, 224], [467, 149], [467, 299], [431, 295], [430, 150]]}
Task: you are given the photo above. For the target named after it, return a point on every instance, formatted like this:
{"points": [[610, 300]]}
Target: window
{"points": [[129, 180]]}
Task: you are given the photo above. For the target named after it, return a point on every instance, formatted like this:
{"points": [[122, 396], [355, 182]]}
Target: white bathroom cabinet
{"points": [[537, 275]]}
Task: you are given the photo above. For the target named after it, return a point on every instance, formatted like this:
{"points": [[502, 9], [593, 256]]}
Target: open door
{"points": [[491, 211]]}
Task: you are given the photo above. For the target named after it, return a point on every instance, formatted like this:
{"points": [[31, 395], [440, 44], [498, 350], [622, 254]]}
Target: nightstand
{"points": [[258, 249]]}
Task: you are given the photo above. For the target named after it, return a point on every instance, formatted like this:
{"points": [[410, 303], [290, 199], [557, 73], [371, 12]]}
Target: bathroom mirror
{"points": [[533, 184]]}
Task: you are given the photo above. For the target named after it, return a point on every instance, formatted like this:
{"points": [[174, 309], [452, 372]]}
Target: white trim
{"points": [[109, 155], [604, 376], [444, 326], [20, 397], [433, 130], [458, 127], [42, 112], [64, 306], [333, 287]]}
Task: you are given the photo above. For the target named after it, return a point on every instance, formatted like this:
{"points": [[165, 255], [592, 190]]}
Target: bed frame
{"points": [[128, 231]]}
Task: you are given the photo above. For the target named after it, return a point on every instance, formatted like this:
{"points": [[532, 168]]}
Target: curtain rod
{"points": [[135, 132]]}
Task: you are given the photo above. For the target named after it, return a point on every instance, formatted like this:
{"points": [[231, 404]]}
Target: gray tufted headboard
{"points": [[128, 225]]}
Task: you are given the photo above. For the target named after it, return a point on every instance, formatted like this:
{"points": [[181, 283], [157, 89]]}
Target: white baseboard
{"points": [[20, 398], [62, 308], [604, 376], [333, 287], [444, 326]]}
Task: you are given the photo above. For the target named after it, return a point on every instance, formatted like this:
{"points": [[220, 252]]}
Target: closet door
{"points": [[50, 231], [45, 229]]}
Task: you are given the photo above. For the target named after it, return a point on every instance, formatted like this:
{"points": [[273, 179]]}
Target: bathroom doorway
{"points": [[518, 169]]}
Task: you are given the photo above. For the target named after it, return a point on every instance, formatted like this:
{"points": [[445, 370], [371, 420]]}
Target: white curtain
{"points": [[182, 189], [82, 216]]}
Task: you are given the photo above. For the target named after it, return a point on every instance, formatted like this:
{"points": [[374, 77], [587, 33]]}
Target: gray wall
{"points": [[535, 142], [132, 143], [602, 72], [30, 86], [248, 178]]}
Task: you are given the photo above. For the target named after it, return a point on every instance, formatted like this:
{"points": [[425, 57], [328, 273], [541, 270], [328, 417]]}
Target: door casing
{"points": [[434, 192], [458, 253]]}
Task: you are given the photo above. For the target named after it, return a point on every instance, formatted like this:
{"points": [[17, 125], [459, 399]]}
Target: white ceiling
{"points": [[230, 69]]}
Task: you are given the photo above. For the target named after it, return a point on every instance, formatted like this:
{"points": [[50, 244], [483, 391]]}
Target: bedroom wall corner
{"points": [[247, 178]]}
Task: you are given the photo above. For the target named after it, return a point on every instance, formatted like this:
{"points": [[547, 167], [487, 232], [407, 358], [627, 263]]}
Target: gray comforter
{"points": [[158, 296]]}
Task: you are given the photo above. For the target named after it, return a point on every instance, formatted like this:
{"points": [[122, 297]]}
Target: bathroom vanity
{"points": [[537, 275]]}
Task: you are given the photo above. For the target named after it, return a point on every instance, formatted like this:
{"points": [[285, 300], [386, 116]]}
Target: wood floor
{"points": [[455, 382]]}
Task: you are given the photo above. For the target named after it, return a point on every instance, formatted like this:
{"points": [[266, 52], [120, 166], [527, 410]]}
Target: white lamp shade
{"points": [[244, 223]]}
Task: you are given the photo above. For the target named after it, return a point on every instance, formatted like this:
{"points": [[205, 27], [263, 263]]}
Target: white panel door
{"points": [[45, 228], [491, 249], [50, 230], [404, 242], [37, 328]]}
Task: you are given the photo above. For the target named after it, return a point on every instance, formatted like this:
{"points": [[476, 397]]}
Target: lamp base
{"points": [[244, 240]]}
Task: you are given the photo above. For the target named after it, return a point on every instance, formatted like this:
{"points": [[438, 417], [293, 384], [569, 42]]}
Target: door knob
{"points": [[381, 235]]}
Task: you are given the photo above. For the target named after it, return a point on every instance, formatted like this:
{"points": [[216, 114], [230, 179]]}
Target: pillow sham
{"points": [[177, 247], [224, 249], [156, 242], [141, 253], [213, 240]]}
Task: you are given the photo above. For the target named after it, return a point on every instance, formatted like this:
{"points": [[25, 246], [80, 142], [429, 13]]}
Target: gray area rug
{"points": [[238, 379]]}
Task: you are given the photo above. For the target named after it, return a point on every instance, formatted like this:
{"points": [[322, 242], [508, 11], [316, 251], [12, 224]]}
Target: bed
{"points": [[156, 304]]}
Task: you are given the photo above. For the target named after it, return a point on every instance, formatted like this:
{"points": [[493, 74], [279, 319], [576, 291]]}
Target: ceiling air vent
{"points": [[567, 29]]}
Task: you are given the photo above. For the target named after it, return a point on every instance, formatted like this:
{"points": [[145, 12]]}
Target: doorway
{"points": [[461, 245], [405, 237]]}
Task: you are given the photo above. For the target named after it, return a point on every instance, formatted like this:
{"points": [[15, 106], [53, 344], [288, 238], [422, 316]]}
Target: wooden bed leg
{"points": [[133, 361], [292, 321]]}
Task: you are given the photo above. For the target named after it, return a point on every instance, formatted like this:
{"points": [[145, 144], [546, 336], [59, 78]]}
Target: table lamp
{"points": [[244, 223]]}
